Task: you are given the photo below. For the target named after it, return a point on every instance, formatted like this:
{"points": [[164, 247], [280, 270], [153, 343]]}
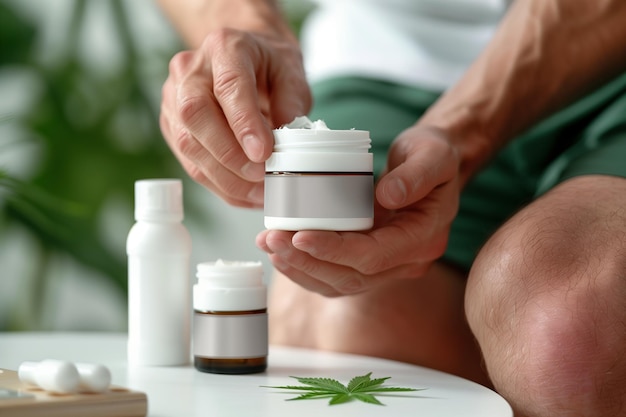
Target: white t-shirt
{"points": [[426, 43]]}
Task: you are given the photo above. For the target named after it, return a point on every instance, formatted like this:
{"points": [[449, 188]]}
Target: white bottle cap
{"points": [[93, 377], [51, 375], [159, 200]]}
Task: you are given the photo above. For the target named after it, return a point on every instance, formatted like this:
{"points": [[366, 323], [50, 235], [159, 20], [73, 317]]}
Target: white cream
{"points": [[303, 122]]}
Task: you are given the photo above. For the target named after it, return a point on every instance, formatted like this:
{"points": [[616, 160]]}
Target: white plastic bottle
{"points": [[159, 284]]}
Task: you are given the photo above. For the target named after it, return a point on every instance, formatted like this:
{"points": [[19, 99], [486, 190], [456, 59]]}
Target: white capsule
{"points": [[26, 372], [51, 375], [93, 377]]}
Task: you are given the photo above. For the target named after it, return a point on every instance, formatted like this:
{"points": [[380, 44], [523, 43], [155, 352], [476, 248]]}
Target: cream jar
{"points": [[230, 333], [319, 179]]}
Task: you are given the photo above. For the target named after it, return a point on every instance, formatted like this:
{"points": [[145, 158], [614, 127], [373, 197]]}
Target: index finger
{"points": [[235, 88]]}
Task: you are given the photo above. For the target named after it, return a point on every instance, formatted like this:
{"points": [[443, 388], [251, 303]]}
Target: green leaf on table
{"points": [[366, 398], [323, 384], [361, 382], [361, 388]]}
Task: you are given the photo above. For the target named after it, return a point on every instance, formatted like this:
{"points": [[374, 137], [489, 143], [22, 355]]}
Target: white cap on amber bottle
{"points": [[229, 286]]}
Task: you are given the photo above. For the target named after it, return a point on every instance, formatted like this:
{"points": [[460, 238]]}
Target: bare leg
{"points": [[546, 299], [418, 321]]}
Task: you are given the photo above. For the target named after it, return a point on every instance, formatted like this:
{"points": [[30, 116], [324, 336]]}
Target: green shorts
{"points": [[588, 137]]}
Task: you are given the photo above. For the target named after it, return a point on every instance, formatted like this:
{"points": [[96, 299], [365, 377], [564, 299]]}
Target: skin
{"points": [[546, 299], [222, 99], [244, 76]]}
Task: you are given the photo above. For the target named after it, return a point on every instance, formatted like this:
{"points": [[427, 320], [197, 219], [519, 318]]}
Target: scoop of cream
{"points": [[303, 122]]}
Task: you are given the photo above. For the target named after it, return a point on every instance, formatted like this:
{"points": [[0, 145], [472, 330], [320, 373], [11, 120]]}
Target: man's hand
{"points": [[220, 103], [416, 202]]}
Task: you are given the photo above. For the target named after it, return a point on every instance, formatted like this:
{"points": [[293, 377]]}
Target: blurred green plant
{"points": [[98, 133]]}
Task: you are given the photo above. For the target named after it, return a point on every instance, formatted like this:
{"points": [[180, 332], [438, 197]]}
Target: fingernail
{"points": [[254, 147], [395, 191]]}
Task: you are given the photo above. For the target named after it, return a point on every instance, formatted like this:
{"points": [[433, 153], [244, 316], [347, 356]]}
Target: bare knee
{"points": [[559, 356], [546, 300]]}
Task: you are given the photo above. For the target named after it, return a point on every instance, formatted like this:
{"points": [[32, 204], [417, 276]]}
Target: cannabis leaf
{"points": [[361, 388]]}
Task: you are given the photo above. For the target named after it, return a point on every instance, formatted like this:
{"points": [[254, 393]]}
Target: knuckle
{"points": [[226, 38], [179, 62], [234, 68], [231, 156], [191, 108], [196, 174], [240, 121], [218, 37], [227, 83], [186, 144]]}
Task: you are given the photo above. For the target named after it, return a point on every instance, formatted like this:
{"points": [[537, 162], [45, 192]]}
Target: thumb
{"points": [[400, 187], [418, 163]]}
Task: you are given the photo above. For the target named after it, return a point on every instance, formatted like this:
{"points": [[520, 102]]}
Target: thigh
{"points": [[418, 321], [546, 299], [586, 138]]}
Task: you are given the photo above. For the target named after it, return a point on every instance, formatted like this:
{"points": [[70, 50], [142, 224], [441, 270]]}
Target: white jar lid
{"points": [[229, 286], [305, 146], [320, 162]]}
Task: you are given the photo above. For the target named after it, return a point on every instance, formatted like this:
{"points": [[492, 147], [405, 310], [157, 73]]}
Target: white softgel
{"points": [[51, 375], [93, 377], [65, 377]]}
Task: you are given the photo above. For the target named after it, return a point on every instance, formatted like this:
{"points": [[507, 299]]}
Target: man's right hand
{"points": [[220, 104]]}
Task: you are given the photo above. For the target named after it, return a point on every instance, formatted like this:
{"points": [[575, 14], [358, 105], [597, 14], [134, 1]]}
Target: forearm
{"points": [[194, 19], [545, 54]]}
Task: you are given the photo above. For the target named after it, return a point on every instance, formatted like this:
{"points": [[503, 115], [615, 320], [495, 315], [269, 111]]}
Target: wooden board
{"points": [[22, 400]]}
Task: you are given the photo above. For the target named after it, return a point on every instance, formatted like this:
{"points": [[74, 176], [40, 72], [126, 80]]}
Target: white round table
{"points": [[183, 391]]}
